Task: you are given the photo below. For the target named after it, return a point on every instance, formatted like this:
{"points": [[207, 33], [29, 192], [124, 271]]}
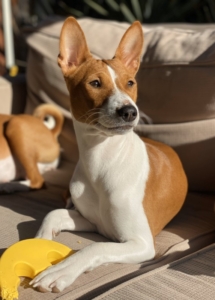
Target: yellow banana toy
{"points": [[27, 258]]}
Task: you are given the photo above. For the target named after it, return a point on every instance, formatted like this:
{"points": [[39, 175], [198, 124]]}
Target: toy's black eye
{"points": [[95, 83], [46, 118], [130, 83]]}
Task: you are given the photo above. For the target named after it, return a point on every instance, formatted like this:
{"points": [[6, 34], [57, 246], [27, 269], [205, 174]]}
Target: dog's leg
{"points": [[32, 172], [58, 277], [25, 153], [63, 219]]}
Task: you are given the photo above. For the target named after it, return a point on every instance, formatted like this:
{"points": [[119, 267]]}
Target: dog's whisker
{"points": [[92, 114], [87, 113], [99, 115]]}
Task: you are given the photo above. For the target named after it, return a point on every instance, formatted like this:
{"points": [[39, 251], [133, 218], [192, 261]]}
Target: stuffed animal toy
{"points": [[29, 147]]}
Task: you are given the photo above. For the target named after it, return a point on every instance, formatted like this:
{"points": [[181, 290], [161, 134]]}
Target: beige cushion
{"points": [[189, 278], [22, 214], [176, 87], [6, 96], [176, 75]]}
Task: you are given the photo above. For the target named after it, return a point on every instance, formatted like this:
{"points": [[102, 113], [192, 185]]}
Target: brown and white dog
{"points": [[124, 187], [28, 147]]}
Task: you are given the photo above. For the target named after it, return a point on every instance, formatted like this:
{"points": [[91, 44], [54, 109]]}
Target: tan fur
{"points": [[71, 32], [130, 49], [164, 196], [5, 149], [30, 141], [83, 96], [123, 76]]}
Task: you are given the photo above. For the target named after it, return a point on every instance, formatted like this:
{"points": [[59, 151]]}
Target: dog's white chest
{"points": [[109, 184], [7, 169]]}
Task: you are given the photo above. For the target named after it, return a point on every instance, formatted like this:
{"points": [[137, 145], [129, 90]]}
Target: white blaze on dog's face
{"points": [[102, 92]]}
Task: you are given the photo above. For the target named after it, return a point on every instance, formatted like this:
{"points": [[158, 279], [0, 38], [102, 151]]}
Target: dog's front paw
{"points": [[51, 226], [54, 279], [47, 233]]}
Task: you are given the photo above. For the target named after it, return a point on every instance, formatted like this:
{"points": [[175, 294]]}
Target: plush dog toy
{"points": [[29, 147]]}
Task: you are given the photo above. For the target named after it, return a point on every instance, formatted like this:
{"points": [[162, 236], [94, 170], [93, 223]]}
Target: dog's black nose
{"points": [[128, 113]]}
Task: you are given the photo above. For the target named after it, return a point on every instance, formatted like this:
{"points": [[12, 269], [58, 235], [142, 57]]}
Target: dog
{"points": [[124, 187], [28, 148]]}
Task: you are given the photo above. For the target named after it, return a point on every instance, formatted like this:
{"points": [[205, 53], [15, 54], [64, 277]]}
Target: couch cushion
{"points": [[6, 94], [176, 75], [22, 214], [189, 278], [176, 87]]}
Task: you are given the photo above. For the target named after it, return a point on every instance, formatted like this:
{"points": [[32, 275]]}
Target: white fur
{"points": [[10, 170], [45, 167], [107, 189], [7, 169]]}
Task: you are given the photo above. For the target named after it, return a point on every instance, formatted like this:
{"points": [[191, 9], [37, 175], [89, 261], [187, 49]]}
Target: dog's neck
{"points": [[110, 163], [88, 137]]}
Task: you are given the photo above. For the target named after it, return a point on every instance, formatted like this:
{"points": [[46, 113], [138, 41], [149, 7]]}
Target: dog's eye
{"points": [[130, 83], [95, 83]]}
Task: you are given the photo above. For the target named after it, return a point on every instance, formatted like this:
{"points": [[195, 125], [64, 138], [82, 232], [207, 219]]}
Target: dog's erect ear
{"points": [[73, 46], [130, 47]]}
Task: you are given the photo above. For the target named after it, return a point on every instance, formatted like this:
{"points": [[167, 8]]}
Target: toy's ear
{"points": [[130, 47], [51, 116], [73, 46]]}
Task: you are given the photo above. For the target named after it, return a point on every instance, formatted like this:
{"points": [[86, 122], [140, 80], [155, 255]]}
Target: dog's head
{"points": [[51, 116], [102, 92]]}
